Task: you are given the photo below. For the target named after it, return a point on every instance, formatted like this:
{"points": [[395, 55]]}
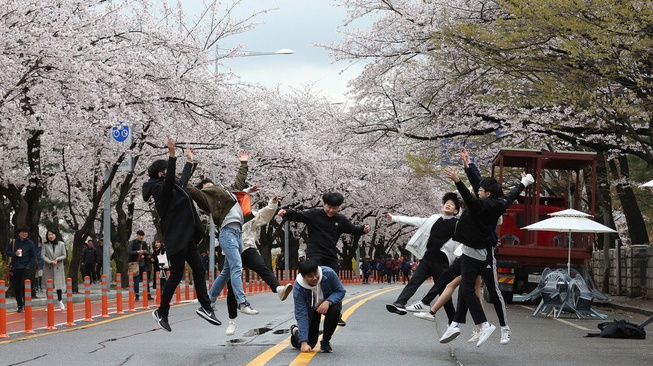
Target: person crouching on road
{"points": [[317, 291]]}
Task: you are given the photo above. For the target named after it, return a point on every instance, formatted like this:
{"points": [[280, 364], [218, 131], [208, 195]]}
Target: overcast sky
{"points": [[297, 25]]}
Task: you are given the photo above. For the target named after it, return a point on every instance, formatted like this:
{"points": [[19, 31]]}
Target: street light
{"points": [[282, 51]]}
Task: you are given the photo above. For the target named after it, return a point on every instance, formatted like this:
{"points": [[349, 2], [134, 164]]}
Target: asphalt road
{"points": [[372, 336]]}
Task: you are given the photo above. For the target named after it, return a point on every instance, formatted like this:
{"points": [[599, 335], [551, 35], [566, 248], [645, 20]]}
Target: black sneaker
{"points": [[325, 347], [208, 315], [396, 308], [20, 309], [162, 321], [293, 336], [341, 323]]}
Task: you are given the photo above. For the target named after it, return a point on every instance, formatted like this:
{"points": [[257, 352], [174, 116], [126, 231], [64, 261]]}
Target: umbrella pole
{"points": [[569, 255]]}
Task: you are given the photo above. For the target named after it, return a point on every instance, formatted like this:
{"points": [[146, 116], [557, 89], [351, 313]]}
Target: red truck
{"points": [[522, 255]]}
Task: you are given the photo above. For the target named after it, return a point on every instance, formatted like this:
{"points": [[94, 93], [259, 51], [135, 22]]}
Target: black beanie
{"points": [[156, 167]]}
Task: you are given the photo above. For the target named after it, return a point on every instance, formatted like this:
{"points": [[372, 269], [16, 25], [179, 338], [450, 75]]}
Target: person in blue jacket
{"points": [[317, 291]]}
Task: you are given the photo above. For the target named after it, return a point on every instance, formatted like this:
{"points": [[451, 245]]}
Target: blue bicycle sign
{"points": [[120, 132]]}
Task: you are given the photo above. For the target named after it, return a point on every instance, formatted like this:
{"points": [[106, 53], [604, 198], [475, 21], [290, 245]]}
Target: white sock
{"points": [[453, 325], [505, 327]]}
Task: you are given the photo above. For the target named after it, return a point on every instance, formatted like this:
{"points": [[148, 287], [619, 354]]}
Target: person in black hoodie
{"points": [[182, 231], [475, 230]]}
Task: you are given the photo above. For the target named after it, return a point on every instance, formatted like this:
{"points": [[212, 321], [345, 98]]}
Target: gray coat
{"points": [[55, 272]]}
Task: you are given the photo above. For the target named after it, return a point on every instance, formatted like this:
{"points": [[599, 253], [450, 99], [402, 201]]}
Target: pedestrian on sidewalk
{"points": [[182, 231], [317, 291], [139, 257], [54, 257], [325, 225], [431, 242], [22, 252], [230, 209], [88, 261]]}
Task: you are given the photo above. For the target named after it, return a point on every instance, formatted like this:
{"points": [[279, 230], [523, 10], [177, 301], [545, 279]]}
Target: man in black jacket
{"points": [[475, 230], [182, 231]]}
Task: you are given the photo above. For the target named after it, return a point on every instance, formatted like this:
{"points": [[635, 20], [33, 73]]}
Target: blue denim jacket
{"points": [[333, 292]]}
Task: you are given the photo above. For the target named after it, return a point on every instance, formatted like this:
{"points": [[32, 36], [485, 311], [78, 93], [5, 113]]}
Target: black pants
{"points": [[19, 275], [489, 276], [252, 260], [330, 322], [89, 271], [177, 264], [424, 270], [467, 299], [98, 271], [331, 263], [441, 283]]}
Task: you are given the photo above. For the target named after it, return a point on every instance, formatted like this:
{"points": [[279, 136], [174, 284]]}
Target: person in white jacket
{"points": [[252, 259], [432, 243]]}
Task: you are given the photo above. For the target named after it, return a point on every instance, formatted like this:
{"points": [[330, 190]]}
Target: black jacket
{"points": [[180, 223], [477, 224]]}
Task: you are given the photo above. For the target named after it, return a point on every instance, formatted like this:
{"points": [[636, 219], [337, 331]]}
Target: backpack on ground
{"points": [[619, 329]]}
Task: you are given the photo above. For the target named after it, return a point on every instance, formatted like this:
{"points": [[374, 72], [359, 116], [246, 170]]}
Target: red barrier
{"points": [[144, 284], [50, 304], [87, 299], [119, 294], [178, 294], [131, 292], [3, 310], [105, 302], [69, 296], [187, 284], [157, 301], [28, 307]]}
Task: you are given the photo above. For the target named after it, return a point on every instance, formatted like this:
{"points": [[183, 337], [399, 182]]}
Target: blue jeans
{"points": [[231, 242]]}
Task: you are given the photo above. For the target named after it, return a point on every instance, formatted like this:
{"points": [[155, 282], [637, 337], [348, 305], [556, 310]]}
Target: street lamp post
{"points": [[282, 51]]}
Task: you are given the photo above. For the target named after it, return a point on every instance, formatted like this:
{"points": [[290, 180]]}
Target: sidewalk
{"points": [[95, 295], [638, 305]]}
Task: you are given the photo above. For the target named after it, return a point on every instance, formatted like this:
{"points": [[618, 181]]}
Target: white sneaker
{"points": [[62, 306], [284, 291], [426, 316], [505, 335], [486, 332], [231, 328], [476, 333], [418, 307], [246, 308], [450, 334]]}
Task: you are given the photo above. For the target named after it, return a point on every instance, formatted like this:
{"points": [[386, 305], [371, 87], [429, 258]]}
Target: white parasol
{"points": [[569, 221], [647, 184]]}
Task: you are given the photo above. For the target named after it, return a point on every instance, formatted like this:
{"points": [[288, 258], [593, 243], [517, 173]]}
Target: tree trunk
{"points": [[634, 219], [604, 212]]}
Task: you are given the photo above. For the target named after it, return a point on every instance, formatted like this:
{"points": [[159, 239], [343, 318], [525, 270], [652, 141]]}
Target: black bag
{"points": [[619, 329]]}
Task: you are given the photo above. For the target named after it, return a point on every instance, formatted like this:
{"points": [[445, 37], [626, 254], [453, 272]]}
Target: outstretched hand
{"points": [[243, 155], [190, 154], [281, 212], [452, 173], [464, 156], [171, 147], [388, 216]]}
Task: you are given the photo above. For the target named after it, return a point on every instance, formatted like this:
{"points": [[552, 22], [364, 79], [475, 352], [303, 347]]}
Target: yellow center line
{"points": [[304, 357]]}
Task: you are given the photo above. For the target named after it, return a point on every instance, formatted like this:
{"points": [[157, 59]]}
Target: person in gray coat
{"points": [[54, 258]]}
